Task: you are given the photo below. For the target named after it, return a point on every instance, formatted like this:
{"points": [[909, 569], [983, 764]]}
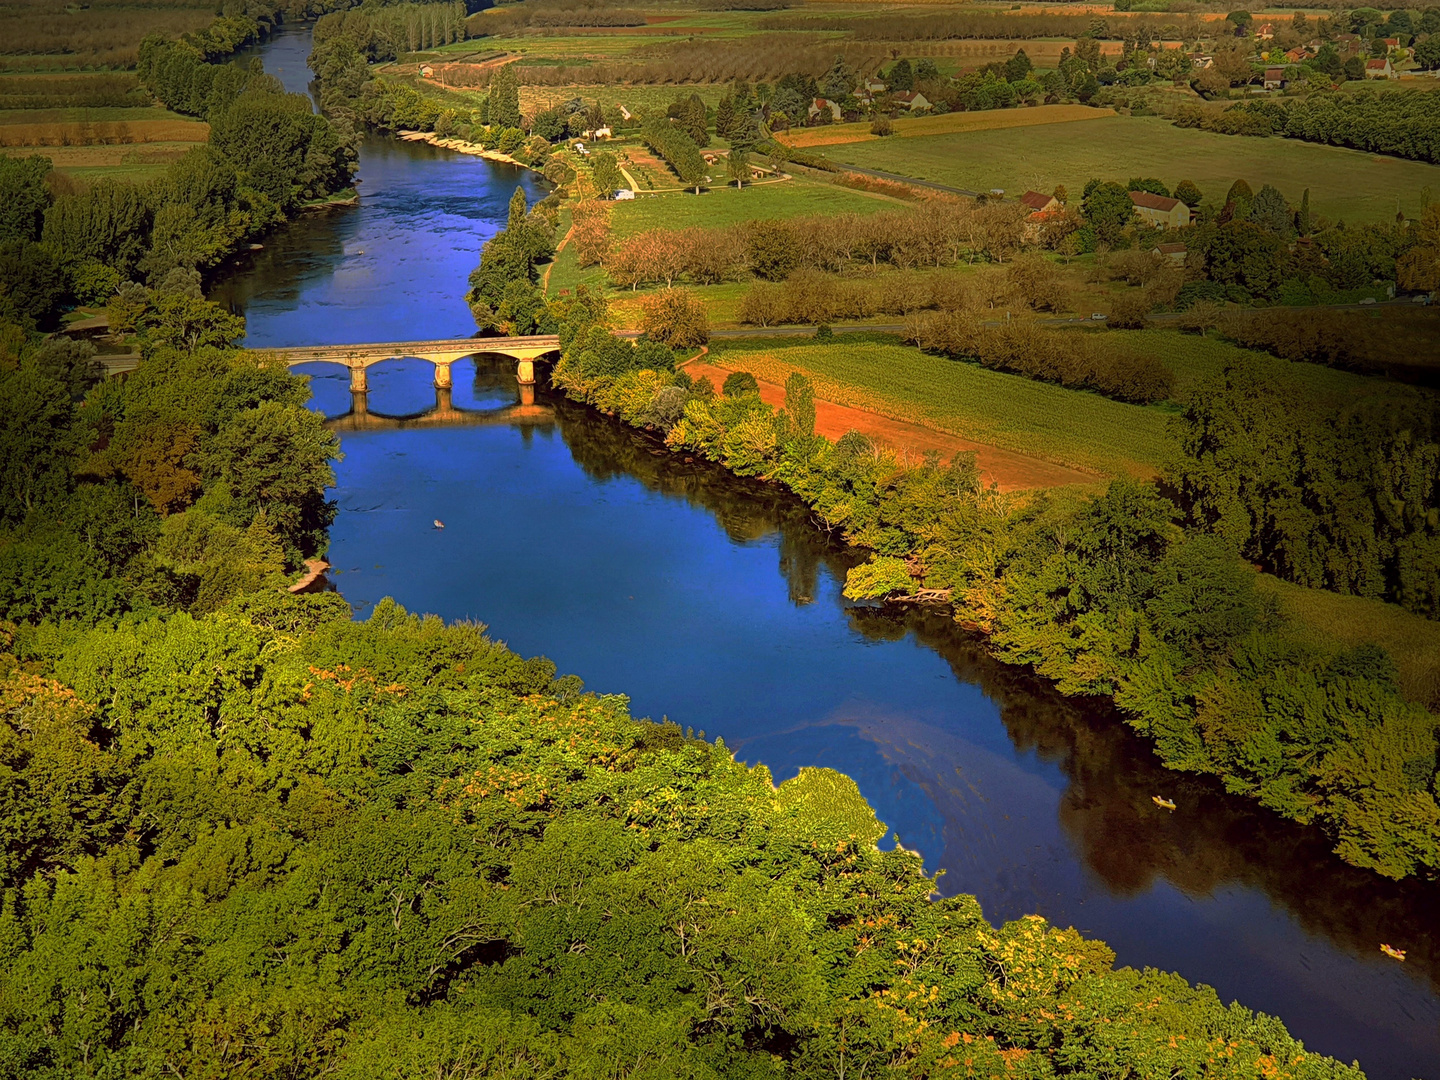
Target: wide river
{"points": [[716, 602]]}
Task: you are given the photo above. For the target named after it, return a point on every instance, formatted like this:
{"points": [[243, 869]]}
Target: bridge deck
{"points": [[447, 347]]}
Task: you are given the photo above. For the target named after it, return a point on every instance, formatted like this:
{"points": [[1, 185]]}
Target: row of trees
{"points": [[1081, 361], [677, 149], [1403, 123], [1106, 597], [947, 231], [288, 844]]}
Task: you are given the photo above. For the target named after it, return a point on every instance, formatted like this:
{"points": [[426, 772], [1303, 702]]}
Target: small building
{"points": [[1274, 78], [625, 114], [873, 86], [1037, 203], [426, 71], [912, 100], [602, 133], [1348, 44], [1379, 69], [1202, 60], [1391, 43], [1265, 31], [1162, 212], [820, 105], [1174, 252], [623, 194], [1298, 55]]}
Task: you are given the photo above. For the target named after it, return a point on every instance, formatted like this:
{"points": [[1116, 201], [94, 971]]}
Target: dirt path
{"points": [[1010, 469]]}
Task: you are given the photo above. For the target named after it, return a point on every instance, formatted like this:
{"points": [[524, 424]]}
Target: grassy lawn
{"points": [[1343, 183], [967, 400]]}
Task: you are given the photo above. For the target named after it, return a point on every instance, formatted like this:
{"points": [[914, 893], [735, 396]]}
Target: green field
{"points": [[728, 206], [965, 399], [1343, 183], [1070, 426]]}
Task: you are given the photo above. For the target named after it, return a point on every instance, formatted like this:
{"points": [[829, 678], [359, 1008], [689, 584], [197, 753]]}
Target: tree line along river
{"points": [[716, 602]]}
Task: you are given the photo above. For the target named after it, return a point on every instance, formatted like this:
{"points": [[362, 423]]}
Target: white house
{"points": [[624, 194]]}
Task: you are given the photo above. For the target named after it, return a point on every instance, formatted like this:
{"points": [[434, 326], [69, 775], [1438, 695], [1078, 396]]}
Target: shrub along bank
{"points": [[1105, 596], [278, 843]]}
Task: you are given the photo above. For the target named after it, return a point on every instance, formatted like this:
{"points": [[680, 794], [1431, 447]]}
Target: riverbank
{"points": [[1073, 589], [460, 146]]}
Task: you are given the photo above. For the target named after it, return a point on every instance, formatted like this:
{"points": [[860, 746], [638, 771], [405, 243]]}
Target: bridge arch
{"points": [[358, 358]]}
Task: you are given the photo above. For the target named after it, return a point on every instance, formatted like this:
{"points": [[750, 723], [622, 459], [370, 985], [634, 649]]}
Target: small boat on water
{"points": [[1393, 953], [439, 524], [1165, 804]]}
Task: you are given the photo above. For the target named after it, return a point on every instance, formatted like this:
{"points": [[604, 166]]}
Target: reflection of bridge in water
{"points": [[525, 351], [524, 414]]}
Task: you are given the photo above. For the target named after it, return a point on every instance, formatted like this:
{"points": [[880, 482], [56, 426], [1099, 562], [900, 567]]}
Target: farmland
{"points": [[945, 124], [967, 400], [1068, 426], [1343, 183], [126, 143], [50, 35], [729, 206]]}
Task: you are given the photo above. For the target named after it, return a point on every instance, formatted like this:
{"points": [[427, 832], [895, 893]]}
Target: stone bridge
{"points": [[357, 358]]}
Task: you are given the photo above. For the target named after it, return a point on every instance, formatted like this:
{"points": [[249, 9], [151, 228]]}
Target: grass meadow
{"points": [[1343, 183], [944, 124], [882, 375], [720, 206], [1072, 427]]}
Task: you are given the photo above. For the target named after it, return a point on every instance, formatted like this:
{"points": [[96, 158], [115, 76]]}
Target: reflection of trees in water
{"points": [[1212, 841]]}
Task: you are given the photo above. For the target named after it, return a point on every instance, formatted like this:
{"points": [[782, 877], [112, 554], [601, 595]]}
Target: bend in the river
{"points": [[716, 601]]}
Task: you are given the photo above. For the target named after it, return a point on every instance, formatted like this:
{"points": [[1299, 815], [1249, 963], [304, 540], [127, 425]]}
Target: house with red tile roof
{"points": [[1160, 211]]}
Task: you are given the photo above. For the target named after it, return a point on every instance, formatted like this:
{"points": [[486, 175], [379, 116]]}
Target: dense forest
{"points": [[199, 477], [279, 842], [1111, 596]]}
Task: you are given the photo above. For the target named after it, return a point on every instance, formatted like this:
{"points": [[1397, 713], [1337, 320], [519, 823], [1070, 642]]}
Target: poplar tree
{"points": [[505, 99]]}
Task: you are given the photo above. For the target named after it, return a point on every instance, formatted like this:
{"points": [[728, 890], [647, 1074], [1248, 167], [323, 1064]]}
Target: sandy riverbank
{"points": [[462, 147]]}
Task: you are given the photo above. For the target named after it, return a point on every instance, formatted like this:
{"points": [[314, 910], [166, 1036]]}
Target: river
{"points": [[716, 602]]}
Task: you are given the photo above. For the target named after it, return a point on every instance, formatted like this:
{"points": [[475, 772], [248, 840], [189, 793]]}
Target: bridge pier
{"points": [[525, 376], [359, 382], [442, 375]]}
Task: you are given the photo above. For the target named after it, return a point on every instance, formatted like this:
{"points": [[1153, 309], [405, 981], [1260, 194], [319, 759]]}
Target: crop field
{"points": [[51, 93], [1343, 183], [1067, 426], [54, 35], [643, 100], [945, 124], [137, 163], [104, 132], [1193, 359]]}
